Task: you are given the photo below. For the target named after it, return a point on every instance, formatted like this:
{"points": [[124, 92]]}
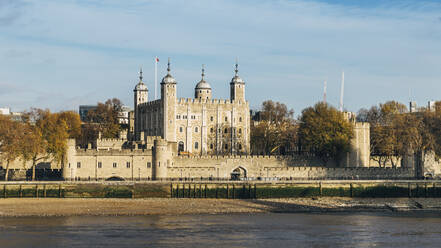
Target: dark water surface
{"points": [[238, 230]]}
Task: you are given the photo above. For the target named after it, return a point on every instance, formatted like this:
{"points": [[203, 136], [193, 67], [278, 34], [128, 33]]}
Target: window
{"points": [[211, 146], [226, 118], [196, 145], [115, 165], [226, 130], [211, 130], [200, 91], [180, 129], [240, 130], [128, 164], [149, 164], [79, 165], [226, 146], [69, 165], [196, 129], [100, 165], [178, 117], [193, 117], [184, 117], [211, 118], [240, 146], [240, 119]]}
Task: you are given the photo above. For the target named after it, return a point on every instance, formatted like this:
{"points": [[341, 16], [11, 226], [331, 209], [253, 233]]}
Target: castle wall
{"points": [[99, 165], [256, 167]]}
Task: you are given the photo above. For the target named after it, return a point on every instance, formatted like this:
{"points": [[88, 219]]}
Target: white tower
{"points": [[140, 96]]}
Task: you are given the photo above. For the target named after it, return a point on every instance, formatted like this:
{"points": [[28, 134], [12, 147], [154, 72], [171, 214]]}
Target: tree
{"points": [[325, 132], [46, 136], [276, 131], [103, 119], [10, 141]]}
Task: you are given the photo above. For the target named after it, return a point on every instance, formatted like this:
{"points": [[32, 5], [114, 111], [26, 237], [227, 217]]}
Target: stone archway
{"points": [[115, 178], [239, 173]]}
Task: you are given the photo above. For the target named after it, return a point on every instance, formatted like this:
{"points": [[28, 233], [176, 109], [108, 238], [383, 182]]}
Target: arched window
{"points": [[211, 118], [196, 129], [211, 146], [211, 130], [226, 146], [240, 130], [226, 118], [226, 130], [240, 146], [196, 145], [181, 146], [180, 129], [240, 119]]}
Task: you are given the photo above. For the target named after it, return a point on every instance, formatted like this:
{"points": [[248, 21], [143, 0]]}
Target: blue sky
{"points": [[60, 54]]}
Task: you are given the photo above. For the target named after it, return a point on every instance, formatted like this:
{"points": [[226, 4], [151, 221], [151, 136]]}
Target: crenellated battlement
{"points": [[151, 103], [185, 101]]}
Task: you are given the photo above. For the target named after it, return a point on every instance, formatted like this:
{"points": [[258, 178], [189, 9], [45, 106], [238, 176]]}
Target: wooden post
{"points": [[4, 191], [320, 188], [177, 190], [249, 191], [233, 193], [189, 190], [36, 190], [19, 192], [194, 190], [44, 190], [255, 192], [228, 192], [171, 190], [200, 190], [205, 193], [59, 190], [183, 190]]}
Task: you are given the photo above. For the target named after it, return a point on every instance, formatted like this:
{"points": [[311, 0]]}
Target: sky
{"points": [[61, 54]]}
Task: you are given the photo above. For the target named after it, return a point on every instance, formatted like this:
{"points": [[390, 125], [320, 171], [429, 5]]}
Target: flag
{"points": [[156, 59]]}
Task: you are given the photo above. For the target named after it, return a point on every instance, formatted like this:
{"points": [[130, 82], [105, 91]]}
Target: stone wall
{"points": [[261, 167]]}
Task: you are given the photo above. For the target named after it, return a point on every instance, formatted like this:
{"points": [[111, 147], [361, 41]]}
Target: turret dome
{"points": [[202, 89], [203, 85], [168, 79], [140, 86]]}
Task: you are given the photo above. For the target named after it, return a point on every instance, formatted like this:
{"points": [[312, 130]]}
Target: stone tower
{"points": [[168, 98], [161, 159], [202, 89], [140, 96], [237, 87]]}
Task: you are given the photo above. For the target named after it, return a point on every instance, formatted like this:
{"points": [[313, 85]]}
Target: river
{"points": [[237, 230]]}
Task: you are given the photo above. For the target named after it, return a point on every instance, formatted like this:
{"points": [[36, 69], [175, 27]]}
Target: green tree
{"points": [[325, 132]]}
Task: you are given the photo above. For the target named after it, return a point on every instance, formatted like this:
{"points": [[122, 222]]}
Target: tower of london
{"points": [[200, 125]]}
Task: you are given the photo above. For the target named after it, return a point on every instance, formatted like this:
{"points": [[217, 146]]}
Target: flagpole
{"points": [[156, 75]]}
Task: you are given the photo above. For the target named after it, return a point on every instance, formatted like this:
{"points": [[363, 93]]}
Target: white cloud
{"points": [[286, 49]]}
